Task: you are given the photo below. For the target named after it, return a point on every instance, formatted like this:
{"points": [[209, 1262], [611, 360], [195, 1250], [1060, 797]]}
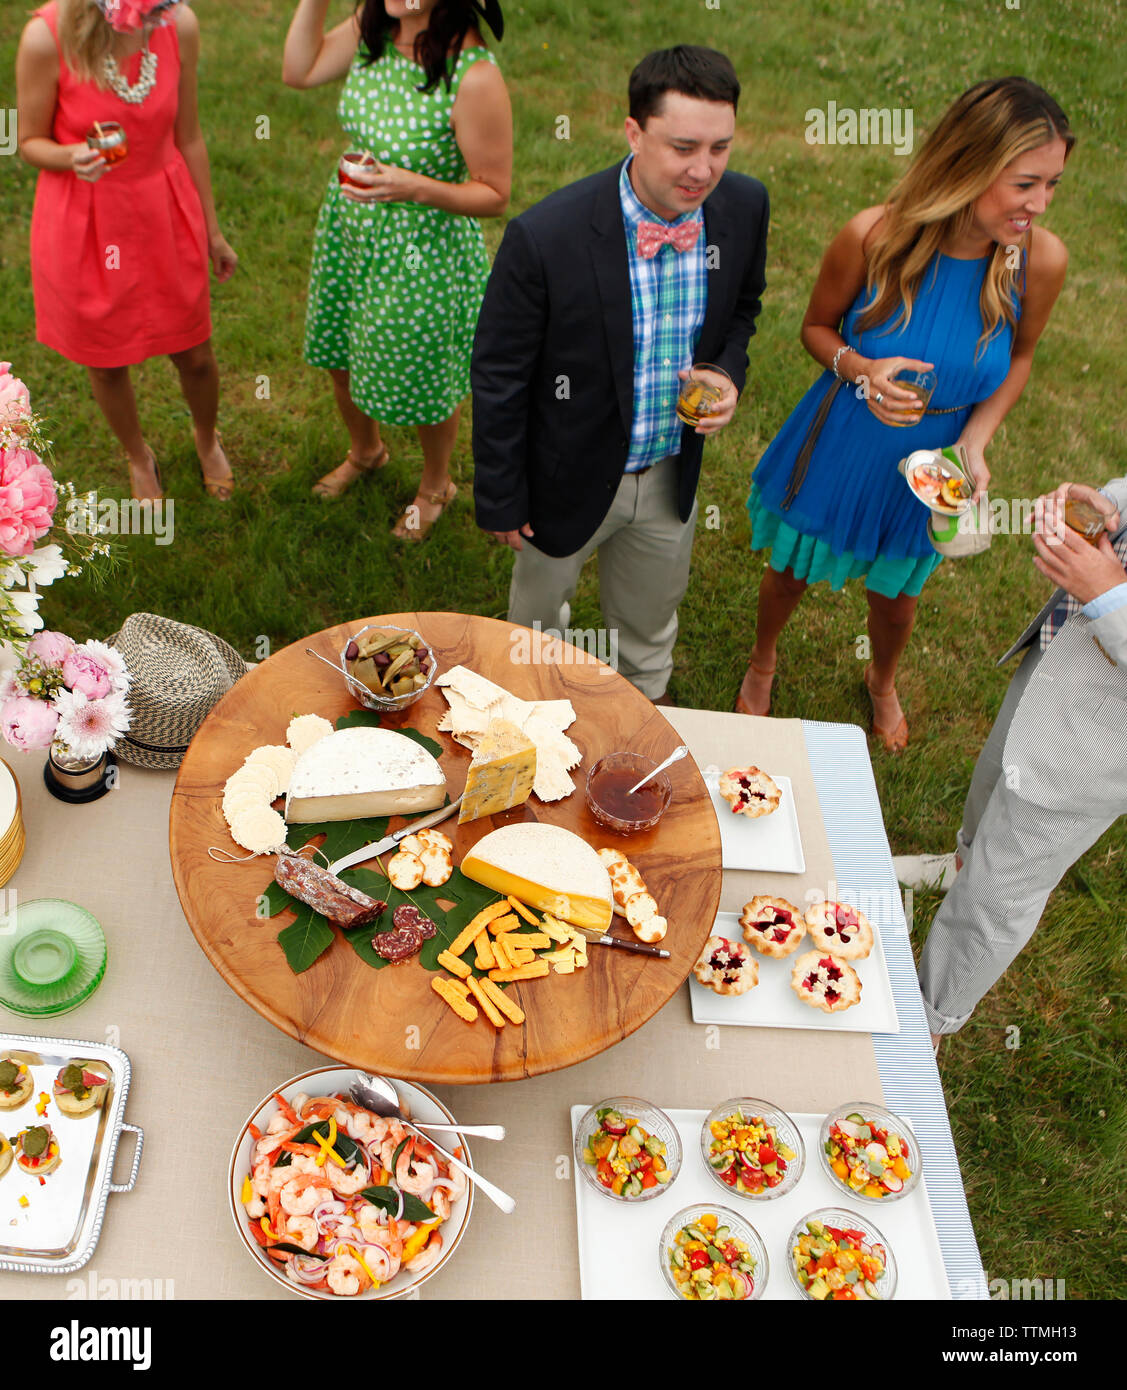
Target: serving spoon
{"points": [[674, 757], [377, 1094]]}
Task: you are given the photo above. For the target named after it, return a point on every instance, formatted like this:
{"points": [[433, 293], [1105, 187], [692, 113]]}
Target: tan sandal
{"points": [[894, 740], [411, 527], [741, 705], [146, 496], [222, 489], [336, 483]]}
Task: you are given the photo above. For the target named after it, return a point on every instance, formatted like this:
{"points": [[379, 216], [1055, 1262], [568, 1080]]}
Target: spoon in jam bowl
{"points": [[674, 757]]}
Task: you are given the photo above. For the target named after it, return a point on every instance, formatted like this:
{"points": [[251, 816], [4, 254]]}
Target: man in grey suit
{"points": [[1052, 776]]}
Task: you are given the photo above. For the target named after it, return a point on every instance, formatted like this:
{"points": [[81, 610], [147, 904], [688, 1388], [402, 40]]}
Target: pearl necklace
{"points": [[136, 93]]}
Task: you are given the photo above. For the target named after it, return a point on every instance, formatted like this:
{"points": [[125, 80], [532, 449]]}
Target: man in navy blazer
{"points": [[601, 297]]}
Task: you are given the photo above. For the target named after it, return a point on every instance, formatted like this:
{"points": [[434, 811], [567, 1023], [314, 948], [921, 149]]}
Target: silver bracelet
{"points": [[845, 347]]}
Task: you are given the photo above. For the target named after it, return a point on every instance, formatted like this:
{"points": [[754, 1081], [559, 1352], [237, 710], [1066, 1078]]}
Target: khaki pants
{"points": [[644, 553]]}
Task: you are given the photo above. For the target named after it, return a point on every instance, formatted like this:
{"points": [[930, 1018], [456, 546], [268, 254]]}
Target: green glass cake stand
{"points": [[52, 959]]}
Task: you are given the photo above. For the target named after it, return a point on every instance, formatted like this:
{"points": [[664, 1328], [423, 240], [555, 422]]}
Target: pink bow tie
{"points": [[652, 236]]}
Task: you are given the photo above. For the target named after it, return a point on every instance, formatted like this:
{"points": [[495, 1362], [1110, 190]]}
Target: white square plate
{"points": [[773, 1004], [760, 842], [618, 1241]]}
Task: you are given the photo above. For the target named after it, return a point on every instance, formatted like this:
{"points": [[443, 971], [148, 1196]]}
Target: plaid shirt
{"points": [[668, 295], [1068, 607]]}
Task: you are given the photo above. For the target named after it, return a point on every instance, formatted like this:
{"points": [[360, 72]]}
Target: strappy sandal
{"points": [[137, 497], [411, 527], [336, 483], [222, 489], [742, 707], [894, 740]]}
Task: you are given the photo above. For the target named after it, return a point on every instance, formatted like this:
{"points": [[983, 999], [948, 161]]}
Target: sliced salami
{"points": [[342, 904], [408, 916], [399, 944]]}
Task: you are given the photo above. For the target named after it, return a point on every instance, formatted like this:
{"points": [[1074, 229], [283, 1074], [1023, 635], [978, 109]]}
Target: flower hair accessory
{"points": [[128, 15]]}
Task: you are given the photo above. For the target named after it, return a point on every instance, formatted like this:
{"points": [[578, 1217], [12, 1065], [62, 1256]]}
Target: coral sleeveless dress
{"points": [[119, 268], [854, 514]]}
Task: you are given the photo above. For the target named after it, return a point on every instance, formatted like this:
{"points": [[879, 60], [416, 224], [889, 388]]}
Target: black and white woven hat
{"points": [[177, 674]]}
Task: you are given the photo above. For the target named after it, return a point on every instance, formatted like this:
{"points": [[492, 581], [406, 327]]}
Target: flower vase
{"points": [[79, 779]]}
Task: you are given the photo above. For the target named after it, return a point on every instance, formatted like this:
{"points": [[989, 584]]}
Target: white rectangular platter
{"points": [[619, 1241], [773, 1004], [760, 842]]}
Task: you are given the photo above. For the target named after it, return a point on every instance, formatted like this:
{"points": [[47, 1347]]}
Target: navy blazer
{"points": [[553, 357]]}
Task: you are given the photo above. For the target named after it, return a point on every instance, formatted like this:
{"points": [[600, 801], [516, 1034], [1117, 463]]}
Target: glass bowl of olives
{"points": [[388, 668]]}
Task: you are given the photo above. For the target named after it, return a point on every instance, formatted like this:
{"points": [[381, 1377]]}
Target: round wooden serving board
{"points": [[390, 1020]]}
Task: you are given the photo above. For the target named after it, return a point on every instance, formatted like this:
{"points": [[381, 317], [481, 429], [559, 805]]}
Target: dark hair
{"points": [[693, 71], [450, 22]]}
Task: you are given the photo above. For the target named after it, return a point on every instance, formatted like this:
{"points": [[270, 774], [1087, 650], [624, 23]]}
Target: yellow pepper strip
{"points": [[24, 1202], [415, 1243], [265, 1224], [247, 1192], [327, 1150], [42, 1103], [356, 1255]]}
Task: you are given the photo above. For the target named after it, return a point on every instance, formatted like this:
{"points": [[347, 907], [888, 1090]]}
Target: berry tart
{"points": [[749, 791], [825, 982], [840, 929], [773, 926], [726, 966]]}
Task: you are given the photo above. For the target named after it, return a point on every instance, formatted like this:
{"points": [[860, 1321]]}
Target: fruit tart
{"points": [[842, 930], [726, 967], [749, 791], [773, 926], [825, 982]]}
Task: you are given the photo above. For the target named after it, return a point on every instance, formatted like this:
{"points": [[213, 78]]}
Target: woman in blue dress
{"points": [[951, 275]]}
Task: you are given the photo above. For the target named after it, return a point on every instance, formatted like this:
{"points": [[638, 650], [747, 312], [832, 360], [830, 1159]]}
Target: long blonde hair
{"points": [[85, 37], [990, 125]]}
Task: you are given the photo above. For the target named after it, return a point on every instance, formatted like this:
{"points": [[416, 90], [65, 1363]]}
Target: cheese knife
{"points": [[366, 852], [622, 945]]}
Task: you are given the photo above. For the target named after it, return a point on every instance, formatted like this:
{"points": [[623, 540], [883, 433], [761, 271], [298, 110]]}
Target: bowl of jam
{"points": [[614, 805]]}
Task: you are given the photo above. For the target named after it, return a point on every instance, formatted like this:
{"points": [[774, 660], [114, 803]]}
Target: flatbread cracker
{"points": [[260, 830]]}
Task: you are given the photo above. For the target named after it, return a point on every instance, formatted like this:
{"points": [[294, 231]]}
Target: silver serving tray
{"points": [[58, 1229]]}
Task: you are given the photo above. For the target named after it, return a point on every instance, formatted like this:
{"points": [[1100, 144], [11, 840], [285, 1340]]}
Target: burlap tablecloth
{"points": [[202, 1058]]}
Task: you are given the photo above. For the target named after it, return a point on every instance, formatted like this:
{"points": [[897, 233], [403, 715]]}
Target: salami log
{"points": [[343, 905]]}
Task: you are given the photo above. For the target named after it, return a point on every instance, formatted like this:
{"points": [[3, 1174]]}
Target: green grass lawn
{"points": [[1040, 1127]]}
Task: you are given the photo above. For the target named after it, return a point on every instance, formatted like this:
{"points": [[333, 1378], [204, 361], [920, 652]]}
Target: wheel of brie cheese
{"points": [[359, 772]]}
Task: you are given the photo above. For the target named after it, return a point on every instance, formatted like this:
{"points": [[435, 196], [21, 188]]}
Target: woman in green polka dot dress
{"points": [[399, 265]]}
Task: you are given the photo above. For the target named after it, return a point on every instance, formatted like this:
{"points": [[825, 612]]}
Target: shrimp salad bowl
{"points": [[333, 1202]]}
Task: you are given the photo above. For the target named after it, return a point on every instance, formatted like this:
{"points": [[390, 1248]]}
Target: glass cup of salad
{"points": [[838, 1256], [869, 1152], [710, 1254], [628, 1149], [752, 1148]]}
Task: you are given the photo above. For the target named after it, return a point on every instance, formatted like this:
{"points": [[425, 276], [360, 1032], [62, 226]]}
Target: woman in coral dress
{"points": [[120, 250]]}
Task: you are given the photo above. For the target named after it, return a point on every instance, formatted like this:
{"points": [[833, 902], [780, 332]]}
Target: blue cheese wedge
{"points": [[361, 772]]}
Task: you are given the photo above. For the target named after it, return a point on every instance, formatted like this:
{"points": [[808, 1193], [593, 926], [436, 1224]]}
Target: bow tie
{"points": [[652, 236]]}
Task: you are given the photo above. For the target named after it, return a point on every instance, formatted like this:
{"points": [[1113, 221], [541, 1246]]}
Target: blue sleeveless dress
{"points": [[854, 514]]}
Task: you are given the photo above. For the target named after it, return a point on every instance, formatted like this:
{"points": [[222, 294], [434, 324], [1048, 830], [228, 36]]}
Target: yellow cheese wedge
{"points": [[547, 867], [501, 774]]}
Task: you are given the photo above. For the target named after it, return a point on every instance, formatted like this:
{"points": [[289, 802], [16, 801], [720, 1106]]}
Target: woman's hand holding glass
{"points": [[382, 183], [88, 165], [891, 401]]}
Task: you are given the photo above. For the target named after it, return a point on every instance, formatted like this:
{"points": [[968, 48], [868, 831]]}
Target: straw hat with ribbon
{"points": [[177, 674]]}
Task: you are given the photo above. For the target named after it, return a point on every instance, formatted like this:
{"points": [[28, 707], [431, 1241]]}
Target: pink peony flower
{"points": [[27, 500], [28, 724], [15, 398], [52, 648], [87, 675]]}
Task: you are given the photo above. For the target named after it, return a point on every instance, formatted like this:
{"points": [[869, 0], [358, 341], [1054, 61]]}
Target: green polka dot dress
{"points": [[395, 288]]}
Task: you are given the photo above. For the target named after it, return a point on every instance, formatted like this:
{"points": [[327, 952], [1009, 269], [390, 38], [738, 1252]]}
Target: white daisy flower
{"points": [[89, 728]]}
